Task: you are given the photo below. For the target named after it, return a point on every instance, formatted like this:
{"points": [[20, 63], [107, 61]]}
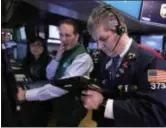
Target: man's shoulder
{"points": [[84, 56], [147, 53], [148, 56]]}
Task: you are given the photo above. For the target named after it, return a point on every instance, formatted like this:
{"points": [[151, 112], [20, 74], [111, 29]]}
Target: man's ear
{"points": [[77, 36]]}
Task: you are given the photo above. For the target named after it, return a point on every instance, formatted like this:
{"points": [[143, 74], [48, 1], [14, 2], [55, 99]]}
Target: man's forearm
{"points": [[44, 93], [51, 69]]}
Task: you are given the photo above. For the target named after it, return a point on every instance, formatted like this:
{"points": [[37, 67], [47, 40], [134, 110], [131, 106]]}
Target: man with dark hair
{"points": [[71, 22], [71, 60], [135, 76]]}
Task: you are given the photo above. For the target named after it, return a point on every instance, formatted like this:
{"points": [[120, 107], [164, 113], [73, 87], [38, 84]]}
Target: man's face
{"points": [[106, 40], [7, 37], [67, 36]]}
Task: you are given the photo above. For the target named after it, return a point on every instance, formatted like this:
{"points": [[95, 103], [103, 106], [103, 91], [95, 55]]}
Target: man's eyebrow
{"points": [[102, 37], [64, 34]]}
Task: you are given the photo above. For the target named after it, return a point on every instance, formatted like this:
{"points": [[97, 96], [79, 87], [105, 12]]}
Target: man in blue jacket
{"points": [[134, 75]]}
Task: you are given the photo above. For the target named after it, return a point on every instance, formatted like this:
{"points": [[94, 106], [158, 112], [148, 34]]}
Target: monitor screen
{"points": [[92, 46], [17, 35], [23, 33], [11, 37], [131, 8], [155, 42], [53, 32], [154, 12], [42, 34]]}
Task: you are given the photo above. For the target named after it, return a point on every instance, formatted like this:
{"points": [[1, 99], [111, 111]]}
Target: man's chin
{"points": [[67, 48]]}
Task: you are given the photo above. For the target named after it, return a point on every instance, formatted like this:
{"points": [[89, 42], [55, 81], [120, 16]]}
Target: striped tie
{"points": [[113, 67]]}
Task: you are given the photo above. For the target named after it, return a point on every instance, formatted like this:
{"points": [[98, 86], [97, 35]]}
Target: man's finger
{"points": [[90, 92], [84, 92], [88, 103]]}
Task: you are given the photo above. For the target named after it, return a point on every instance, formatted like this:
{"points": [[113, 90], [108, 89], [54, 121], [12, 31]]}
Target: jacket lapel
{"points": [[129, 58]]}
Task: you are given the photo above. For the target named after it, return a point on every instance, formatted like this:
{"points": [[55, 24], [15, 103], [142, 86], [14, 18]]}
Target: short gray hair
{"points": [[104, 14]]}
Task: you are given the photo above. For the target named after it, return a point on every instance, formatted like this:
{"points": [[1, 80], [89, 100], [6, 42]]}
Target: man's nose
{"points": [[63, 38]]}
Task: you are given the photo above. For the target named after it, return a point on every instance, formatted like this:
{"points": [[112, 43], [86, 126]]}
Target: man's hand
{"points": [[21, 94], [60, 52], [92, 99]]}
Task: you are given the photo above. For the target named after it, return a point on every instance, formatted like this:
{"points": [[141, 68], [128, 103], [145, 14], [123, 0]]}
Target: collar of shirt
{"points": [[126, 48], [121, 55]]}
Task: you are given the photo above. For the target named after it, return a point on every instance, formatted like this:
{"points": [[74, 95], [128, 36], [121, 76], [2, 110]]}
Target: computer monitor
{"points": [[53, 32], [22, 34], [131, 8], [153, 41], [154, 12], [42, 34], [92, 46]]}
